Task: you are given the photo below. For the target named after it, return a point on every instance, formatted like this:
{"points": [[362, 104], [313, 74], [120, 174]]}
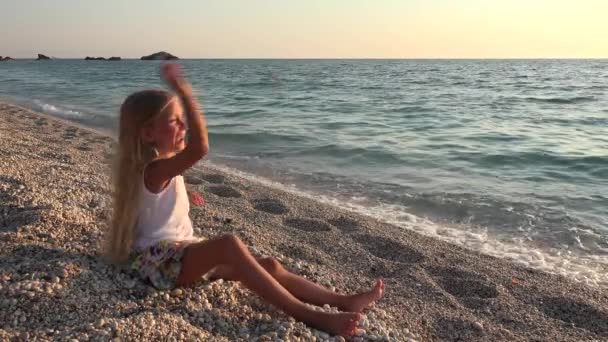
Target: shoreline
{"points": [[54, 201], [587, 269]]}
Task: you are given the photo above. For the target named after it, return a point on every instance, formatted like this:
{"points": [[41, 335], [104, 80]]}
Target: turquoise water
{"points": [[504, 156]]}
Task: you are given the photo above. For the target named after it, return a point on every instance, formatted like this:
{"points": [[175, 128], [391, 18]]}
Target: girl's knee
{"points": [[231, 241], [271, 265]]}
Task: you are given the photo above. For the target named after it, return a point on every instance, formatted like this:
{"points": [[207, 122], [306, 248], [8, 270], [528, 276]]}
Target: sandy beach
{"points": [[54, 204]]}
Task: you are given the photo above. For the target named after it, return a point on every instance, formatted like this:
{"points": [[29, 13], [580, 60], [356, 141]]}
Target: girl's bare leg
{"points": [[310, 292], [228, 250]]}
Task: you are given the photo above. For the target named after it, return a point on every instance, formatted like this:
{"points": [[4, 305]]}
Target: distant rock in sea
{"points": [[7, 58], [159, 56], [88, 58], [42, 57]]}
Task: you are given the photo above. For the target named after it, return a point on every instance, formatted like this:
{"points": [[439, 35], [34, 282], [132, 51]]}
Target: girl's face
{"points": [[167, 132]]}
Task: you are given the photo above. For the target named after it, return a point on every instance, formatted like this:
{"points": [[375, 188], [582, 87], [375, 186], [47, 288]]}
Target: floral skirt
{"points": [[161, 263]]}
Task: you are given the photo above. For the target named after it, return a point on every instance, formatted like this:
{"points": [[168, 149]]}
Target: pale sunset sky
{"points": [[306, 28]]}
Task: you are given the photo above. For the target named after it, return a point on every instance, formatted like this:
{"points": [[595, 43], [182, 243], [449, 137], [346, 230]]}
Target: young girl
{"points": [[151, 228]]}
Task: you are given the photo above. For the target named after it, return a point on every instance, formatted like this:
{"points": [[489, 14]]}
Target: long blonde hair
{"points": [[132, 155]]}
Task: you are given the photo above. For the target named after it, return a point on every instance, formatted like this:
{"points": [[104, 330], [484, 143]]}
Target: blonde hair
{"points": [[131, 157]]}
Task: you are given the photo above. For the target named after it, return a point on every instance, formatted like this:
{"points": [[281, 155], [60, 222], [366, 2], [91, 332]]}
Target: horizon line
{"points": [[328, 58]]}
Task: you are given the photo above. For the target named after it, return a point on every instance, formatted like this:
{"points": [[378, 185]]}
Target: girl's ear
{"points": [[146, 134]]}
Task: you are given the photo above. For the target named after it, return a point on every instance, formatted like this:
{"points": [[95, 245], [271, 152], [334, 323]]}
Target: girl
{"points": [[151, 228]]}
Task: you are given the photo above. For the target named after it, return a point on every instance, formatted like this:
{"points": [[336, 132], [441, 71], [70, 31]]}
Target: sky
{"points": [[305, 28]]}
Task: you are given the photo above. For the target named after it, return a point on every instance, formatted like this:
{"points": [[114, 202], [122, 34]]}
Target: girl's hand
{"points": [[173, 76]]}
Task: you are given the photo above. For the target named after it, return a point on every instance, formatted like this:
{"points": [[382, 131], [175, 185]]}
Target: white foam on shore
{"points": [[54, 110], [591, 270]]}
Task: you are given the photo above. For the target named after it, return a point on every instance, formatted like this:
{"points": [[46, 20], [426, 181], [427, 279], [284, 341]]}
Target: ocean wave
{"points": [[256, 84], [532, 158], [340, 125], [303, 97], [561, 100], [573, 121], [377, 154], [238, 113], [359, 125], [227, 125], [408, 109], [252, 138], [593, 121], [372, 87], [55, 110], [600, 173], [243, 98], [494, 137]]}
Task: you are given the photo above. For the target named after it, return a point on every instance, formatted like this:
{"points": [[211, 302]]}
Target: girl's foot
{"points": [[360, 301], [342, 323]]}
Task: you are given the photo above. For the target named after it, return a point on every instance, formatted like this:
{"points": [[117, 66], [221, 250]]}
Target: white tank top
{"points": [[163, 216]]}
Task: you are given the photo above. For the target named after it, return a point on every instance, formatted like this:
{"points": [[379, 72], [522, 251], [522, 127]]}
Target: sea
{"points": [[505, 157]]}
